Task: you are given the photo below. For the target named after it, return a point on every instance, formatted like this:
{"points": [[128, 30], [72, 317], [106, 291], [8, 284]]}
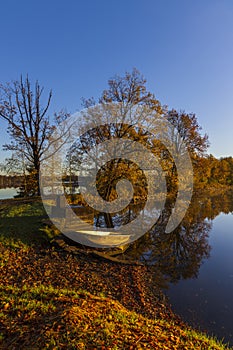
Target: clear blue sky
{"points": [[184, 48]]}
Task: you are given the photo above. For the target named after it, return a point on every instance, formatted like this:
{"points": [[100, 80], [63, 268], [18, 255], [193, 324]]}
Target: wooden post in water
{"points": [[59, 209]]}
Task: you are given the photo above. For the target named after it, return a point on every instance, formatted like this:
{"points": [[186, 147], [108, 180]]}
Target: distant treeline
{"points": [[11, 181], [210, 171]]}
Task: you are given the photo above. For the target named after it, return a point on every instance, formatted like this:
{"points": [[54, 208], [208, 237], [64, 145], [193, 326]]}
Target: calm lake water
{"points": [[6, 193], [207, 300]]}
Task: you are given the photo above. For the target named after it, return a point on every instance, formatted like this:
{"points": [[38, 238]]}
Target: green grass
{"points": [[49, 318], [21, 225]]}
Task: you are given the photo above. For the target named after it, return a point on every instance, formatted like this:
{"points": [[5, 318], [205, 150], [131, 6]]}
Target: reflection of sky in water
{"points": [[6, 193], [208, 300], [47, 190], [127, 215]]}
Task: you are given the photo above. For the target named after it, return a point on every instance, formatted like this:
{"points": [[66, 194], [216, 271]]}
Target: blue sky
{"points": [[184, 48]]}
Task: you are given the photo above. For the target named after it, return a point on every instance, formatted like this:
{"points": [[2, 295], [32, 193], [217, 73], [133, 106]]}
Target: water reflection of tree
{"points": [[180, 253]]}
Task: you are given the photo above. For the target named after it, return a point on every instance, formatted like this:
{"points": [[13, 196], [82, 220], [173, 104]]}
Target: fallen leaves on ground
{"points": [[54, 300]]}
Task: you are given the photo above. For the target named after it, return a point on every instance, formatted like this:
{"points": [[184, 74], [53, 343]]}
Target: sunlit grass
{"points": [[34, 208], [76, 318]]}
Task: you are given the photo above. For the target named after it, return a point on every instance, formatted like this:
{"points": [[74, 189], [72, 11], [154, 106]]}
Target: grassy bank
{"points": [[53, 299]]}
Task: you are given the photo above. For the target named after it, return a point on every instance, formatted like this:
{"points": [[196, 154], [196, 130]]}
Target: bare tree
{"points": [[29, 125]]}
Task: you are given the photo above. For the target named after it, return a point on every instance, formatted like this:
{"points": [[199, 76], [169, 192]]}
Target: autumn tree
{"points": [[124, 93], [29, 125], [188, 130], [130, 90], [221, 171], [127, 94]]}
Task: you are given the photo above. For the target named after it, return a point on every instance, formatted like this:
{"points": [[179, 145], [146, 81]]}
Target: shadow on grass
{"points": [[24, 223], [29, 230]]}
